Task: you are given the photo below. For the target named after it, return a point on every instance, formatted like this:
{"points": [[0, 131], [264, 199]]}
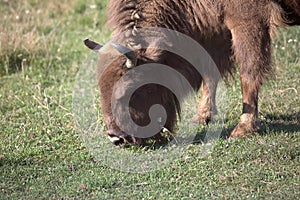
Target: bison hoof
{"points": [[197, 119], [247, 126], [204, 118]]}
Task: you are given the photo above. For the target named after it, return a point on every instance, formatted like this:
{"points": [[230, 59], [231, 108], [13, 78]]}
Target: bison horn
{"points": [[92, 45], [128, 53]]}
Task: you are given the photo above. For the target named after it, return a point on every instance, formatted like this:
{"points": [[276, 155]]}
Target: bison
{"points": [[231, 31]]}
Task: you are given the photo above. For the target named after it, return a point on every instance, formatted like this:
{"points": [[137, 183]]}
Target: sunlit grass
{"points": [[42, 155]]}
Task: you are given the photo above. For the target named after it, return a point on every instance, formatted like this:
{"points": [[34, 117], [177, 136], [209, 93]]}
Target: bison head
{"points": [[130, 108]]}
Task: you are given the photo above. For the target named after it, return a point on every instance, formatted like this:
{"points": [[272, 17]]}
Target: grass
{"points": [[43, 157]]}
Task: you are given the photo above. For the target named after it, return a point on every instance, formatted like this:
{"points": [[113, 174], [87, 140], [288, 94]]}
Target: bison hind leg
{"points": [[251, 43]]}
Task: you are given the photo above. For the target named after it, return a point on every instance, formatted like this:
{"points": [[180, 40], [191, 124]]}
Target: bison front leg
{"points": [[251, 44], [207, 104]]}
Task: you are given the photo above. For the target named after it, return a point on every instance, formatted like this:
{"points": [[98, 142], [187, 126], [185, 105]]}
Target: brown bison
{"points": [[229, 30]]}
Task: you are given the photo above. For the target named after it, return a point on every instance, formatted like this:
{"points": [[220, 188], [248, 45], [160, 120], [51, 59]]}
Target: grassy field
{"points": [[43, 157]]}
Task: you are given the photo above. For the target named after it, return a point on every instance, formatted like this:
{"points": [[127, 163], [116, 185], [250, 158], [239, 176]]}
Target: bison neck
{"points": [[202, 20]]}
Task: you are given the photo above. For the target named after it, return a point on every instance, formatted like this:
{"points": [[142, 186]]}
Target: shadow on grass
{"points": [[200, 137], [286, 123], [12, 62], [272, 124]]}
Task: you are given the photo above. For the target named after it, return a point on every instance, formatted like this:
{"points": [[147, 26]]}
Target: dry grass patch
{"points": [[27, 31]]}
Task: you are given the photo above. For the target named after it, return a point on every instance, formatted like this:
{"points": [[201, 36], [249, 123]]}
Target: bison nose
{"points": [[116, 140], [119, 138]]}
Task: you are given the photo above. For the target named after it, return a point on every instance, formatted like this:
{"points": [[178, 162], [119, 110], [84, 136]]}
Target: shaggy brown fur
{"points": [[230, 30], [291, 11]]}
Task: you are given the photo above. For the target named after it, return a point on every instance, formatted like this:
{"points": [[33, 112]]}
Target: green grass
{"points": [[43, 157]]}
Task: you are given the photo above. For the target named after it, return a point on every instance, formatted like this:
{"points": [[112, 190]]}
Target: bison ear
{"points": [[92, 45], [128, 53]]}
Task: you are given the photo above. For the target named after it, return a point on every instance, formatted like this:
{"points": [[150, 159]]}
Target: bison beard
{"points": [[230, 31]]}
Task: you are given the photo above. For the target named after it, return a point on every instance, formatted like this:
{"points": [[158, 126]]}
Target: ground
{"points": [[43, 157]]}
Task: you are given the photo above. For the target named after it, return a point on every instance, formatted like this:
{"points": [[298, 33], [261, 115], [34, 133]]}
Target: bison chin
{"points": [[145, 123]]}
